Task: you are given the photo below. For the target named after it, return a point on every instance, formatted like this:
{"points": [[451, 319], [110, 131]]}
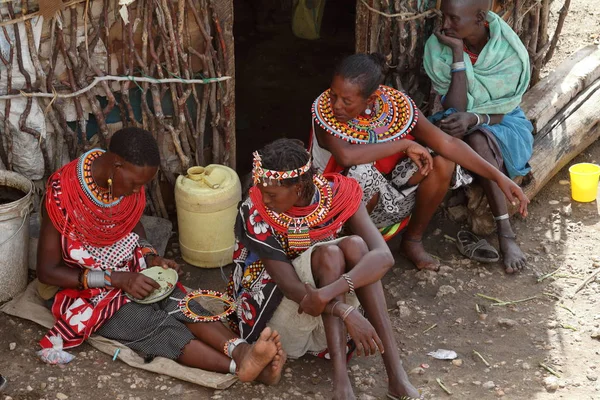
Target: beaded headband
{"points": [[259, 173]]}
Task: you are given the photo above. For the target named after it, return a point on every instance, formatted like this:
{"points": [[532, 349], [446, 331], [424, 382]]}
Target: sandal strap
{"points": [[470, 249]]}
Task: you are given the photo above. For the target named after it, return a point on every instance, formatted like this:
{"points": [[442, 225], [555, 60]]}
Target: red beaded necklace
{"points": [[76, 214], [472, 56], [304, 226]]}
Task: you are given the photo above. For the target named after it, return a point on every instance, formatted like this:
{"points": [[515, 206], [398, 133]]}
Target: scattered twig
{"points": [[547, 368], [507, 303], [450, 238], [444, 388], [568, 276], [483, 296], [487, 364], [588, 280], [430, 328], [500, 303], [543, 277]]}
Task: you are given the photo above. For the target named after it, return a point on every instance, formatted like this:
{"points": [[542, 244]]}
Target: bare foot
{"points": [[271, 375], [514, 259], [252, 359], [342, 389], [415, 252], [403, 387]]}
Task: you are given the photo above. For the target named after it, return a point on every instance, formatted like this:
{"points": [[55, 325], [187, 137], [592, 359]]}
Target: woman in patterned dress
{"points": [[294, 273], [93, 247], [375, 134]]}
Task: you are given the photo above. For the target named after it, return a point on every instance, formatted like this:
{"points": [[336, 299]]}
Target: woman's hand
{"points": [[454, 43], [512, 190], [134, 283], [420, 156], [364, 335], [458, 124], [312, 303], [158, 261]]}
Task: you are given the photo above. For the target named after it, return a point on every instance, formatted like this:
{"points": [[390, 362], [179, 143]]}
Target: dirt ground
{"points": [[428, 310]]}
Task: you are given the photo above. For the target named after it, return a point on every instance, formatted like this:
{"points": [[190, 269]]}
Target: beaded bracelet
{"points": [[108, 278], [84, 280], [349, 282], [230, 346], [80, 279]]}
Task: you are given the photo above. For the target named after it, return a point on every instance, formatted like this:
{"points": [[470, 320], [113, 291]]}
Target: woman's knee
{"points": [[477, 141], [327, 262], [354, 248], [443, 167]]}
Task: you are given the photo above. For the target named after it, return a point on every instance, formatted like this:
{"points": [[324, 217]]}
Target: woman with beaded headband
{"points": [[91, 251], [294, 273], [375, 134]]}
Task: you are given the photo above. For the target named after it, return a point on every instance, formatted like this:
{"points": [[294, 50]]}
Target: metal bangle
{"points": [[333, 308], [95, 279], [457, 70], [501, 217], [349, 282], [347, 312], [489, 119], [145, 243], [478, 119], [458, 65]]}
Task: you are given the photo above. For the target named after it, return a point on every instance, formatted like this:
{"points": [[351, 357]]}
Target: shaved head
{"points": [[465, 19], [483, 5]]}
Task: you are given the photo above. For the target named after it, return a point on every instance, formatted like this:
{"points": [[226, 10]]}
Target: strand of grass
{"points": [[547, 368], [495, 300], [430, 328], [543, 277], [487, 364], [566, 308], [507, 303], [444, 388], [551, 295], [567, 326]]}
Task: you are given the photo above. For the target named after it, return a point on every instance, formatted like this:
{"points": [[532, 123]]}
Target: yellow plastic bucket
{"points": [[584, 182]]}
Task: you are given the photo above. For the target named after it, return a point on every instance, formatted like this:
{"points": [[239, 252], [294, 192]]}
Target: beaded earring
{"points": [[110, 182]]}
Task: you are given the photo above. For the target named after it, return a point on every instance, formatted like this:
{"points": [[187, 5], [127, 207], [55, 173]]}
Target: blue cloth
{"points": [[514, 137]]}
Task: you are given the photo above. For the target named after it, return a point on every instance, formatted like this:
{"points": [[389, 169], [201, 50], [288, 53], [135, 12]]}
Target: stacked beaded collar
{"points": [[393, 118], [99, 196], [267, 176]]}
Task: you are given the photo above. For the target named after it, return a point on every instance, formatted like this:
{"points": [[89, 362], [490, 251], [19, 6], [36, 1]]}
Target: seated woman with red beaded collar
{"points": [[93, 247], [294, 273]]}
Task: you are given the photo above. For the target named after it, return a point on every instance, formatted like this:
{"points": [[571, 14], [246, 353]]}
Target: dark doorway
{"points": [[278, 75]]}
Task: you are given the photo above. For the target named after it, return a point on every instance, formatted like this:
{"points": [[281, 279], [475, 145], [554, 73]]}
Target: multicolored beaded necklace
{"points": [[305, 225], [298, 226], [94, 192], [393, 117], [76, 209]]}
